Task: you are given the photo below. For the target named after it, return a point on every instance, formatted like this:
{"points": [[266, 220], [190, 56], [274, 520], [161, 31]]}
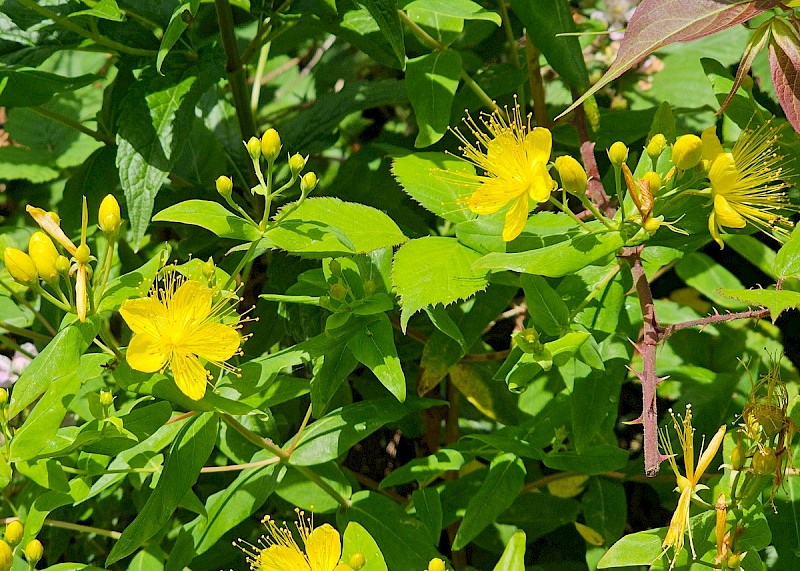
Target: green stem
{"points": [[108, 339], [68, 24], [590, 206], [268, 196], [23, 332], [82, 528], [558, 204], [51, 298], [22, 301], [596, 290], [58, 118], [255, 96], [241, 263], [620, 197]]}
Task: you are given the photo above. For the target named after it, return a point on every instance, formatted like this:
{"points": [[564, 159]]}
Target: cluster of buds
{"points": [[45, 262], [13, 535]]}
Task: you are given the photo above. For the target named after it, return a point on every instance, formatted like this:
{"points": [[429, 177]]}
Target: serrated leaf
{"points": [[657, 23], [326, 226], [787, 260], [432, 81], [431, 180], [777, 301], [374, 347], [432, 270], [212, 216]]}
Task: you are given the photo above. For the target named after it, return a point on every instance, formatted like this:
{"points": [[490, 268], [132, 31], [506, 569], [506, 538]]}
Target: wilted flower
{"points": [[511, 158]]}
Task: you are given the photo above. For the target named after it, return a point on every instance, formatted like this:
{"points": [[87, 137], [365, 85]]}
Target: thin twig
{"points": [[665, 332]]}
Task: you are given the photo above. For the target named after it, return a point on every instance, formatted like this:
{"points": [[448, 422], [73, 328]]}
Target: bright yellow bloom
{"points": [[690, 484], [746, 183], [279, 550], [511, 159], [181, 322]]}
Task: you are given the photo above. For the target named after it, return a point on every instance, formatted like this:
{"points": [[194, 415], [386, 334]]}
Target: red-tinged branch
{"points": [[595, 190], [665, 332]]}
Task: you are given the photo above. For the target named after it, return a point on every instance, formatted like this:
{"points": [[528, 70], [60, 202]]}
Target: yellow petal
{"points": [[726, 214], [711, 145], [541, 183], [708, 454], [282, 558], [190, 376], [190, 302], [143, 314], [516, 218], [679, 522], [323, 548], [493, 194], [146, 353], [723, 174], [538, 144], [211, 341], [714, 230], [80, 292], [49, 225]]}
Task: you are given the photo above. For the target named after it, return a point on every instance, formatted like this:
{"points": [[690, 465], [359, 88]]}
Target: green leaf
{"points": [[401, 538], [641, 548], [550, 18], [557, 260], [462, 9], [385, 14], [424, 470], [547, 310], [358, 540], [705, 275], [34, 165], [323, 227], [432, 270], [188, 454], [59, 359], [432, 179], [374, 347], [336, 366], [777, 301], [592, 461], [787, 260], [234, 503], [501, 487], [513, 557], [428, 506], [444, 323], [29, 87], [133, 284], [432, 81], [604, 507], [212, 216], [178, 23], [155, 120], [539, 514], [299, 491], [104, 9]]}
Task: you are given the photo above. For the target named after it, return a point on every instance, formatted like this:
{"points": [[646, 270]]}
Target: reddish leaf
{"points": [[757, 42], [657, 23], [784, 62]]}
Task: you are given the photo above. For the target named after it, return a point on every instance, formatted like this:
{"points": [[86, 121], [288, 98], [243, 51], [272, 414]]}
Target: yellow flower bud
{"points": [[3, 396], [62, 264], [44, 255], [618, 154], [254, 148], [357, 561], [106, 398], [6, 556], [308, 182], [654, 180], [108, 218], [656, 146], [297, 163], [270, 144], [224, 185], [20, 266], [436, 564], [687, 152], [34, 551], [652, 224], [573, 176], [82, 254], [14, 532]]}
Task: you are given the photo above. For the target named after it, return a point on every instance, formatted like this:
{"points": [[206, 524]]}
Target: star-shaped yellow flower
{"points": [[179, 324]]}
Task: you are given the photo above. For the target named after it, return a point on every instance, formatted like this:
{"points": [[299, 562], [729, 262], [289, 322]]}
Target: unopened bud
{"points": [[573, 176], [82, 254], [62, 265], [618, 154], [651, 225], [20, 266], [106, 398], [34, 551], [6, 556], [270, 145], [687, 152], [3, 396], [254, 148], [734, 562], [338, 291], [738, 456], [14, 532], [528, 340], [336, 267], [108, 217], [656, 146], [44, 255], [653, 180], [308, 182], [436, 564], [224, 185], [297, 163], [357, 561]]}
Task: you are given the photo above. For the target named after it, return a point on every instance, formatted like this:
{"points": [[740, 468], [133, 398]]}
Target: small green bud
{"points": [[297, 163], [109, 218], [357, 561], [618, 154], [687, 152], [324, 301], [14, 532], [224, 185], [254, 148], [62, 265], [82, 254], [338, 291], [34, 551], [106, 398], [308, 183], [656, 146], [336, 267], [573, 176], [209, 268], [270, 145], [528, 340], [20, 266]]}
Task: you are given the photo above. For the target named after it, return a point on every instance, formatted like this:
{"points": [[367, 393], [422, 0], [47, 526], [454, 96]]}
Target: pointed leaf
{"points": [[548, 311], [212, 216], [432, 81], [784, 63], [385, 14], [358, 540], [374, 346], [777, 301], [513, 558]]}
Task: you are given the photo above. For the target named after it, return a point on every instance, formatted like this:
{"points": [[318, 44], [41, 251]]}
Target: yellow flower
{"points": [[513, 159], [180, 322], [690, 484], [746, 183], [280, 552]]}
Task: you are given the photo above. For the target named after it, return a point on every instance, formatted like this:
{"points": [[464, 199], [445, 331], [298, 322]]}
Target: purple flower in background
{"points": [[11, 368], [616, 16]]}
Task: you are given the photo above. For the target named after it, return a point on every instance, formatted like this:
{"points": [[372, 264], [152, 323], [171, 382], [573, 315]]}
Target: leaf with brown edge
{"points": [[784, 62], [657, 23]]}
